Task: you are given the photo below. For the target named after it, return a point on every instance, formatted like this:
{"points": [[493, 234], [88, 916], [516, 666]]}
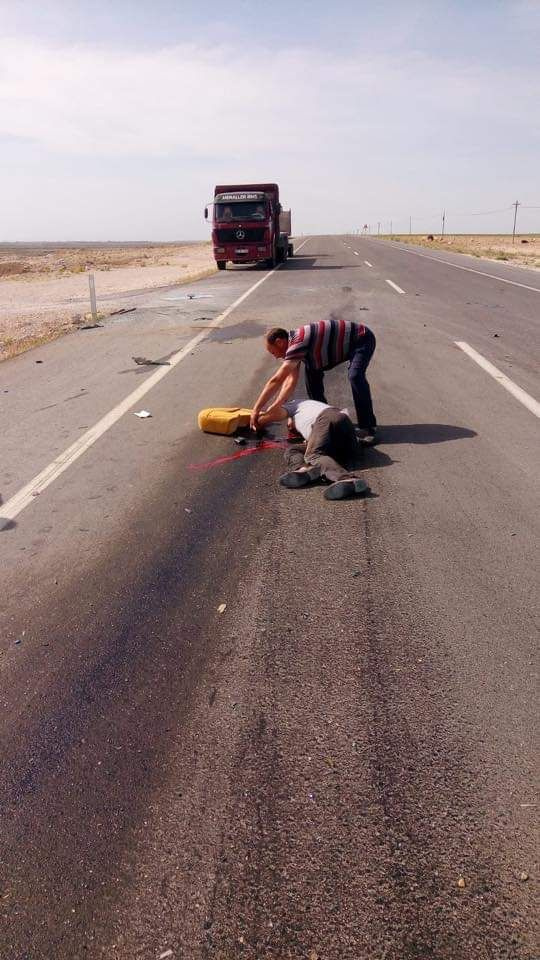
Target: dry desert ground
{"points": [[44, 287], [524, 252]]}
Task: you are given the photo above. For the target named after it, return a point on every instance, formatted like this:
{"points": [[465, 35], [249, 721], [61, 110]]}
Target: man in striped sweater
{"points": [[321, 346]]}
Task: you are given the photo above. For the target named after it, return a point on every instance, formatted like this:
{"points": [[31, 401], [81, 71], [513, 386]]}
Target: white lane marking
{"points": [[395, 286], [517, 392], [367, 263], [28, 493], [459, 266], [356, 254]]}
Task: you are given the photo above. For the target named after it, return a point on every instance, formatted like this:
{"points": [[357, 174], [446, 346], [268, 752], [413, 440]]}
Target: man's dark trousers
{"points": [[332, 443], [358, 364]]}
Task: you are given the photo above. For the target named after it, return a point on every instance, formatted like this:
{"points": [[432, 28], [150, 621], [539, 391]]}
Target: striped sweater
{"points": [[323, 345]]}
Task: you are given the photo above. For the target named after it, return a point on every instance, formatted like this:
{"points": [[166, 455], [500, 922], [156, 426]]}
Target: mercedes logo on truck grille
{"points": [[240, 234]]}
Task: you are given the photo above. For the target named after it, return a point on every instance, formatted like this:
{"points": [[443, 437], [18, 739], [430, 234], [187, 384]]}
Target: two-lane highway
{"points": [[344, 762]]}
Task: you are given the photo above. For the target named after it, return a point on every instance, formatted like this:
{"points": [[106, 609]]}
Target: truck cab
{"points": [[246, 225]]}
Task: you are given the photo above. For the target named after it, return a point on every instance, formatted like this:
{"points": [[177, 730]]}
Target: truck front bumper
{"points": [[242, 253]]}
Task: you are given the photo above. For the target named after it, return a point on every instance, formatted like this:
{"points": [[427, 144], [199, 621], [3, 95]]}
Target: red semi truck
{"points": [[248, 224]]}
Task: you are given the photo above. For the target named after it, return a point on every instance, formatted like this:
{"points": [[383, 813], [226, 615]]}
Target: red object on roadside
{"points": [[249, 224]]}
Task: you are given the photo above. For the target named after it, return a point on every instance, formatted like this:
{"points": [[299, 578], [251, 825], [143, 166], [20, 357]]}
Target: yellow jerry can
{"points": [[223, 420]]}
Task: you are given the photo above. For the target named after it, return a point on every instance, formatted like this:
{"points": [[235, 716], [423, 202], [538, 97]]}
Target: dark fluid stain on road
{"points": [[258, 447], [238, 331], [84, 770], [77, 396]]}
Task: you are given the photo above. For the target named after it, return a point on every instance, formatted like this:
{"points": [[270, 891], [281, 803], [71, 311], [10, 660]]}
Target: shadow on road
{"points": [[423, 433], [6, 524], [370, 458], [309, 263]]}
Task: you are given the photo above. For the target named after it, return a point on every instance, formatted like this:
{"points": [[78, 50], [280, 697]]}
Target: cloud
{"points": [[199, 101], [121, 140]]}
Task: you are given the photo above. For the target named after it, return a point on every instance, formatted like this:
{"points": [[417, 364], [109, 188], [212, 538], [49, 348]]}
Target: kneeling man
{"points": [[330, 441]]}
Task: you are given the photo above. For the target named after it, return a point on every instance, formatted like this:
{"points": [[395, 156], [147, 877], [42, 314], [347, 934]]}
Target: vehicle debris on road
{"points": [[143, 414], [143, 362]]}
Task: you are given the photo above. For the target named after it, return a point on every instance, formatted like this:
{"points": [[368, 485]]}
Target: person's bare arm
{"points": [[272, 387], [288, 386], [274, 414]]}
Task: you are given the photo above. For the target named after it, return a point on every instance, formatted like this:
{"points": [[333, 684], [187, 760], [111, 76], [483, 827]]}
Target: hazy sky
{"points": [[118, 116]]}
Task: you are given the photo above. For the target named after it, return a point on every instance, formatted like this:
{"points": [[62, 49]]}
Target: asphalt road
{"points": [[342, 764]]}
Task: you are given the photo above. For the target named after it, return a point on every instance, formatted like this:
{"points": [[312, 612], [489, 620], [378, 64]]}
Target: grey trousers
{"points": [[332, 442]]}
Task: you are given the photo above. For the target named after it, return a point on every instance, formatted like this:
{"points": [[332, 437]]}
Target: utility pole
{"points": [[443, 219], [515, 205], [379, 228], [391, 231], [410, 225]]}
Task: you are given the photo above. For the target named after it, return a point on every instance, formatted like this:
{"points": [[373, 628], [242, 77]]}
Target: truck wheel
{"points": [[271, 262], [221, 264], [290, 250]]}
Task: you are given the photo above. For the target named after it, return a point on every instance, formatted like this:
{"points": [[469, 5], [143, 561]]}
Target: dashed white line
{"points": [[395, 286], [28, 493], [356, 254], [459, 266], [517, 392], [367, 263]]}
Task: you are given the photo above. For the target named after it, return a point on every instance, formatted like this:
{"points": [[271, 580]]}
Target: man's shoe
{"points": [[300, 478], [346, 488], [368, 438]]}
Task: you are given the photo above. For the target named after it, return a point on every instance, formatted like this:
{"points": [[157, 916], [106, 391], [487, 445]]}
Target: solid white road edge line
{"points": [[28, 493], [367, 263], [395, 286], [458, 266], [517, 392]]}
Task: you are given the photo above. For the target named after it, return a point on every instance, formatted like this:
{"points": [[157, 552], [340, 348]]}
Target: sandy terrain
{"points": [[44, 288], [525, 252]]}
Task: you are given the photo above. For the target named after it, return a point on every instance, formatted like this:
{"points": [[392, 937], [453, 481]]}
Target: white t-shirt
{"points": [[305, 413]]}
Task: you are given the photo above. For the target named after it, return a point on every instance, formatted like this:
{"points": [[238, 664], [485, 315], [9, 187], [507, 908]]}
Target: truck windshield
{"points": [[244, 210]]}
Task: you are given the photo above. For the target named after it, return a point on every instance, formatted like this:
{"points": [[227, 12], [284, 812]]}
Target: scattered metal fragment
{"points": [[222, 607], [123, 310], [524, 875], [461, 883], [190, 296], [143, 414], [143, 362], [240, 441]]}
